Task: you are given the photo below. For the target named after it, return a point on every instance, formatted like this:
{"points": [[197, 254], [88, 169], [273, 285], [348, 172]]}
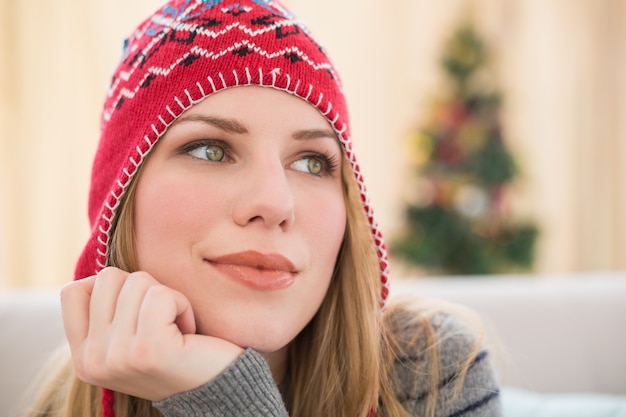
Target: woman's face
{"points": [[240, 207]]}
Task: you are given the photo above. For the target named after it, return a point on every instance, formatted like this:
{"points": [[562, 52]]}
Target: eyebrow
{"points": [[227, 125], [235, 126], [314, 134]]}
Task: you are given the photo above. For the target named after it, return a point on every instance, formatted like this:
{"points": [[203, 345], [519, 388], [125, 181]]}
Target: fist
{"points": [[130, 334]]}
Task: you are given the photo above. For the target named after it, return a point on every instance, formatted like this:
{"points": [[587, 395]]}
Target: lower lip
{"points": [[258, 279]]}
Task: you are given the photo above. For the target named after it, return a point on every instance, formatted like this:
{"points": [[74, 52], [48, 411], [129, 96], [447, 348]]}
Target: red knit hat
{"points": [[186, 51]]}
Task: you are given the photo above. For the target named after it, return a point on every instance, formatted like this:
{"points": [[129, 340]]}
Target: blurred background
{"points": [[501, 123]]}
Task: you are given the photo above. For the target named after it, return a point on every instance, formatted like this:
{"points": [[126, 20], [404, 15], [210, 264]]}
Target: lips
{"points": [[256, 270]]}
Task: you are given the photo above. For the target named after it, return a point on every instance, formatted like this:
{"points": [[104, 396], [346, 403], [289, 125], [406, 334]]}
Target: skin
{"points": [[247, 169]]}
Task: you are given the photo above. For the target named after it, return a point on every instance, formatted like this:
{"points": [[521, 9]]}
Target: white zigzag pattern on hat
{"points": [[173, 24], [164, 71], [195, 50], [193, 27]]}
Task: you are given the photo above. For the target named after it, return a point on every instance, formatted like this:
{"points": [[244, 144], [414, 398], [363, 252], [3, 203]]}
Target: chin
{"points": [[261, 337], [269, 346]]}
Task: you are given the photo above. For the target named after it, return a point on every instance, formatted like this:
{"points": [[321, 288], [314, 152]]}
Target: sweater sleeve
{"points": [[244, 389], [456, 347]]}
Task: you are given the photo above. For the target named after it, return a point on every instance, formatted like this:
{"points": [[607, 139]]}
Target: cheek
{"points": [[158, 208], [171, 214], [326, 226]]}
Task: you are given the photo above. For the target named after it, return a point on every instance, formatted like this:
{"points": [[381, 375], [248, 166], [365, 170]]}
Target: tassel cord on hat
{"points": [[107, 402]]}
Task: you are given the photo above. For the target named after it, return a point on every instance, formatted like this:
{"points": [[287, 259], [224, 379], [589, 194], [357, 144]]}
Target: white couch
{"points": [[558, 334]]}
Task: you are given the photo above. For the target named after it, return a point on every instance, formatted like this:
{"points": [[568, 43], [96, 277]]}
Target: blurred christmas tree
{"points": [[460, 221]]}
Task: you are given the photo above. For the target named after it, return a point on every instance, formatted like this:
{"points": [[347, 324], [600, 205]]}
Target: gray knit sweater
{"points": [[247, 389]]}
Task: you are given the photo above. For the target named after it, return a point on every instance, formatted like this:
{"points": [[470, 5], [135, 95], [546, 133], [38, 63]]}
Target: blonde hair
{"points": [[349, 331]]}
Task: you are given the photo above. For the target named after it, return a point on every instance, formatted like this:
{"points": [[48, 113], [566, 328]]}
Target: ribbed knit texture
{"points": [[480, 392], [247, 388]]}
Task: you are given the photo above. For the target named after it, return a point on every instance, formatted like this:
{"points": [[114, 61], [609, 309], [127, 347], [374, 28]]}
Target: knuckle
{"points": [[89, 364], [70, 290], [110, 276], [110, 273], [99, 364], [154, 299], [88, 371], [140, 276], [114, 366], [67, 289], [107, 273], [144, 357], [66, 294], [157, 291], [109, 270], [141, 279], [79, 369]]}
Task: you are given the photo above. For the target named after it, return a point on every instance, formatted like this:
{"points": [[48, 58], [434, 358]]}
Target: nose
{"points": [[265, 197]]}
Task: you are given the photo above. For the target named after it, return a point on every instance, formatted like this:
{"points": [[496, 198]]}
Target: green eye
{"points": [[214, 153], [315, 165]]}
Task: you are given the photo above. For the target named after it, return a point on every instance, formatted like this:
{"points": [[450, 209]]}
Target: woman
{"points": [[234, 265]]}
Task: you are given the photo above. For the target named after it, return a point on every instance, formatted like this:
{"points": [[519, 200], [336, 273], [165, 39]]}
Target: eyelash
{"points": [[330, 161], [191, 146]]}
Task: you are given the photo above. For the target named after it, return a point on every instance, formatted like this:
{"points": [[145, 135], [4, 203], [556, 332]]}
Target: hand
{"points": [[130, 334]]}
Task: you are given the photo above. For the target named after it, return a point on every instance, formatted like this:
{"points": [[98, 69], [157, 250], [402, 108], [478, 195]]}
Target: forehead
{"points": [[260, 102]]}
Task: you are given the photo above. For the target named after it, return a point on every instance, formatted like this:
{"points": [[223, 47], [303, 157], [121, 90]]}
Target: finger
{"points": [[106, 289], [75, 301], [129, 301], [162, 307], [185, 319]]}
